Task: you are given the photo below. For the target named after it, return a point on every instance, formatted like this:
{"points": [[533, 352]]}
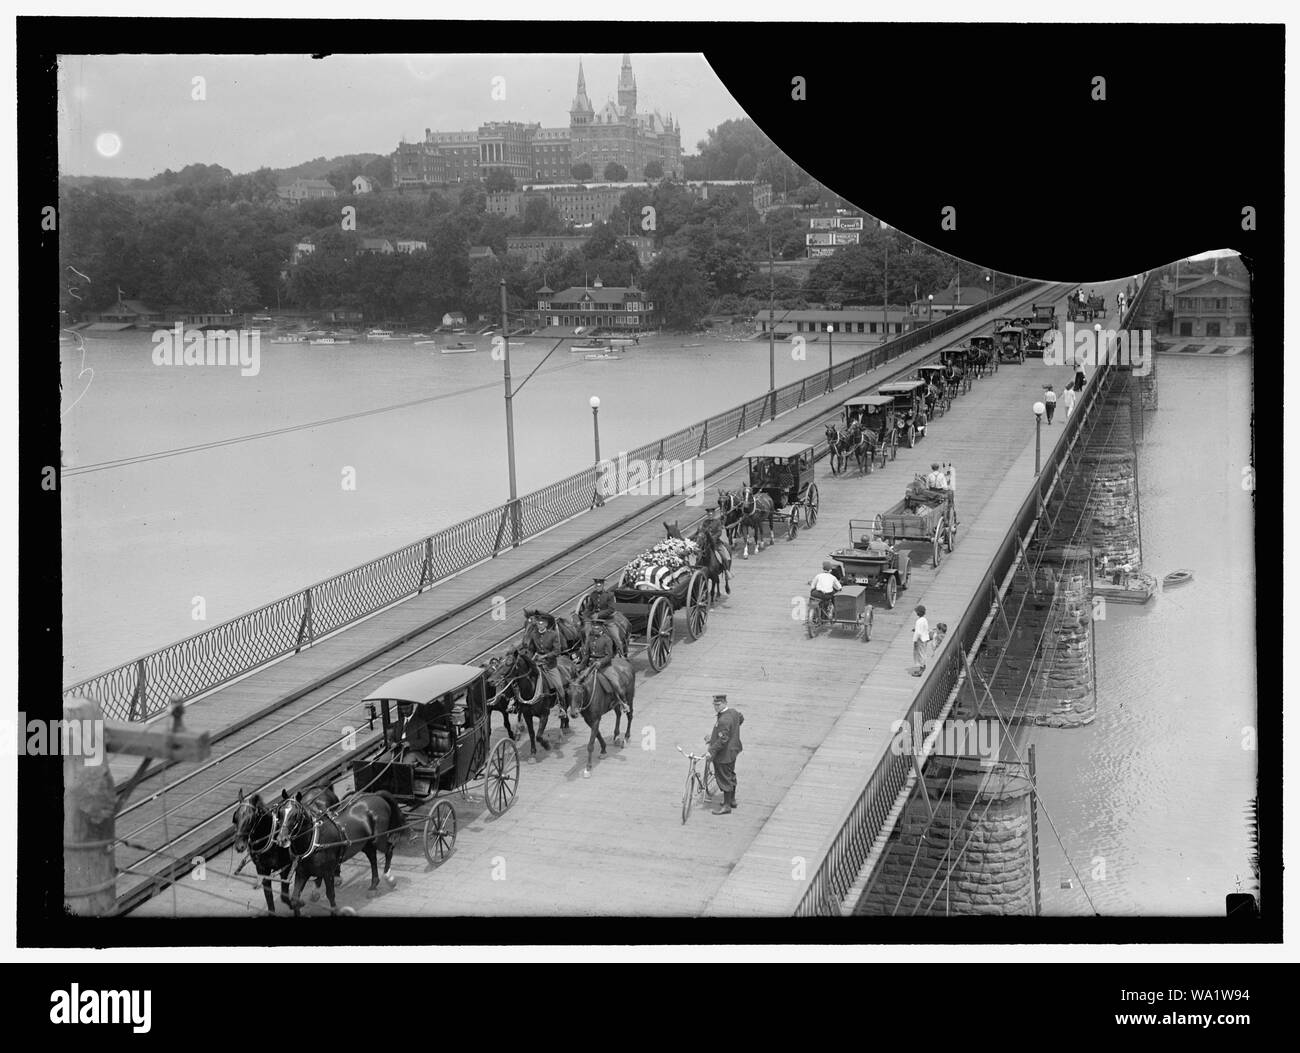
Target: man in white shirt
{"points": [[1049, 400], [825, 585], [938, 478], [920, 640], [1069, 400]]}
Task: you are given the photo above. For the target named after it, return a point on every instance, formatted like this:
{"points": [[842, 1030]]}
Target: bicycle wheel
{"points": [[710, 783], [688, 798]]}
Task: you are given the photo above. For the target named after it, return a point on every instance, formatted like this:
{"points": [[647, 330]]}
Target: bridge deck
{"points": [[817, 717]]}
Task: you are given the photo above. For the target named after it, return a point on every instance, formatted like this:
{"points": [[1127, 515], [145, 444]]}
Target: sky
{"points": [[136, 115]]}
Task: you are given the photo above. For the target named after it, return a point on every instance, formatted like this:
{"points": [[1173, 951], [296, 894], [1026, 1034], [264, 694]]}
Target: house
{"points": [[453, 319], [133, 313], [855, 323], [596, 307], [481, 252], [343, 316], [408, 245], [950, 300], [306, 190], [1213, 305], [301, 249], [364, 185], [381, 245]]}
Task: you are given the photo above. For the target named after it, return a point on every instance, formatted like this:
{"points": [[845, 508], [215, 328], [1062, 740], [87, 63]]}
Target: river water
{"points": [[1150, 799], [242, 523]]}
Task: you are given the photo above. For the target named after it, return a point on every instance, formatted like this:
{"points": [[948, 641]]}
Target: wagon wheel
{"points": [[792, 529], [907, 575], [814, 502], [440, 833], [911, 436], [949, 534], [501, 782], [891, 591], [866, 619], [697, 605], [659, 634], [937, 545]]}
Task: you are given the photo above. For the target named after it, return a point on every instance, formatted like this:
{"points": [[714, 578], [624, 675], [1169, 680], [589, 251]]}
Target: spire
{"points": [[580, 111], [627, 86]]}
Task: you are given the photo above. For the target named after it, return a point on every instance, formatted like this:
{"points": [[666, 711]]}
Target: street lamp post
{"points": [[1039, 410], [1097, 345], [510, 422], [929, 315], [830, 351], [771, 327], [598, 498], [991, 287]]}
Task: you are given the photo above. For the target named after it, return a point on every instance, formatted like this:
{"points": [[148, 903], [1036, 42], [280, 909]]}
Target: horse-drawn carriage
{"points": [[867, 434], [653, 587], [939, 389], [961, 366], [1085, 308], [870, 562], [781, 487], [923, 515], [436, 739], [985, 349], [908, 397]]}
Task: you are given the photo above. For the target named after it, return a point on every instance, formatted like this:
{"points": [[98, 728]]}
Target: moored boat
{"points": [[1177, 577], [588, 346], [1136, 588], [459, 348]]}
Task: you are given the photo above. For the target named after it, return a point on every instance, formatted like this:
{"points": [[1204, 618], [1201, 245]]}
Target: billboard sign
{"points": [[820, 239], [845, 238]]}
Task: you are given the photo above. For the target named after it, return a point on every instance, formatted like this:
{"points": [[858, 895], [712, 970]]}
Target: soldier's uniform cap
{"points": [[719, 698]]}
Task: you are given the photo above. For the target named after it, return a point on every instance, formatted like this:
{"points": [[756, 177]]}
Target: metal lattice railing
{"points": [[849, 848], [225, 652]]}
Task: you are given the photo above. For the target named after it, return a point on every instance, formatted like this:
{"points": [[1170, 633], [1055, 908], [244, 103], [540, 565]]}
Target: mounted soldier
{"points": [[598, 604], [545, 643], [597, 654]]}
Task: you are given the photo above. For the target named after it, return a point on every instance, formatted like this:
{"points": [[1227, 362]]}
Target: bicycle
{"points": [[697, 784]]}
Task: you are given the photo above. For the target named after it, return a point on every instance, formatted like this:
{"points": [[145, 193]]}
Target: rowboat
{"points": [[459, 348], [1177, 577], [608, 356], [590, 345]]}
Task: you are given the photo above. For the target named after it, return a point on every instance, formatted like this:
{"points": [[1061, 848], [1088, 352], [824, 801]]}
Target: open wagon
{"points": [[923, 515], [784, 471], [871, 563], [653, 588], [436, 739]]}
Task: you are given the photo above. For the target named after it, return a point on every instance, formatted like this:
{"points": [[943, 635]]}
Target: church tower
{"points": [[580, 112], [627, 87]]}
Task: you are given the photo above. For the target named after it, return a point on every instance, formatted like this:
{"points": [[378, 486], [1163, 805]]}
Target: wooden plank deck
{"points": [[817, 716]]}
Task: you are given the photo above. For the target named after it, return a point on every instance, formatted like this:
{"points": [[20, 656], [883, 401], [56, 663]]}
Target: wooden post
{"points": [[89, 811]]}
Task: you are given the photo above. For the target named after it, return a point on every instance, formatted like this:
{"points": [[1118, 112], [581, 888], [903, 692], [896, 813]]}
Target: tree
{"points": [[654, 170], [581, 172], [615, 173], [541, 218], [676, 286], [498, 180]]}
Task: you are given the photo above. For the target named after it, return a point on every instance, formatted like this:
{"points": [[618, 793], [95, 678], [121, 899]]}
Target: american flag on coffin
{"points": [[659, 577]]}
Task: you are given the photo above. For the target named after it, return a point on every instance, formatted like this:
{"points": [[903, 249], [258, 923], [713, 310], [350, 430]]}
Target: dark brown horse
{"points": [[517, 683], [714, 556], [842, 444], [255, 829], [589, 696], [320, 840]]}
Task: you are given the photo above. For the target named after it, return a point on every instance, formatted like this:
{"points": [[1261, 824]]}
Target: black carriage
{"points": [[961, 363], [879, 566], [874, 413], [939, 390], [649, 598], [1044, 312], [909, 409], [436, 739], [784, 471], [985, 351], [1037, 336]]}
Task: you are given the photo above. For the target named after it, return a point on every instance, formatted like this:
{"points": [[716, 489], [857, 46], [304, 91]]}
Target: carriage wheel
{"points": [[501, 782], [911, 436], [937, 545], [659, 634], [479, 759], [697, 605], [792, 529], [866, 619], [814, 502], [893, 448], [907, 576], [949, 535], [891, 591], [440, 833]]}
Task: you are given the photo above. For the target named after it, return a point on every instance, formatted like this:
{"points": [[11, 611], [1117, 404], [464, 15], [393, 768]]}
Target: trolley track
{"points": [[286, 753]]}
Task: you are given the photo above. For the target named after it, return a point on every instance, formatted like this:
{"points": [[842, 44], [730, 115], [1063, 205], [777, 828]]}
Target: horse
{"points": [[729, 510], [515, 677], [756, 509], [571, 634], [589, 696], [320, 840], [255, 829], [865, 452], [714, 557], [842, 444]]}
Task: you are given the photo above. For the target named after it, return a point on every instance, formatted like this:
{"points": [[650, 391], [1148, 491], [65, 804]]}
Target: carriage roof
{"points": [[902, 387], [869, 400], [929, 369], [782, 450], [424, 685], [982, 338], [1012, 329]]}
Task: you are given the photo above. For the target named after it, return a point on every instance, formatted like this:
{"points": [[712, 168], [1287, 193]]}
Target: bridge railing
{"points": [[866, 817], [199, 663]]}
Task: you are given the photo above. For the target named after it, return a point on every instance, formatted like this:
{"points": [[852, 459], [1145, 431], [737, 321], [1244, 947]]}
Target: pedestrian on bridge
{"points": [[1069, 400], [1049, 400], [920, 641], [724, 748]]}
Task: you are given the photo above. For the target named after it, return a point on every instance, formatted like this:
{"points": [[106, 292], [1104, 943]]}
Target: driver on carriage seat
{"points": [[598, 604], [597, 655], [825, 585], [878, 543]]}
